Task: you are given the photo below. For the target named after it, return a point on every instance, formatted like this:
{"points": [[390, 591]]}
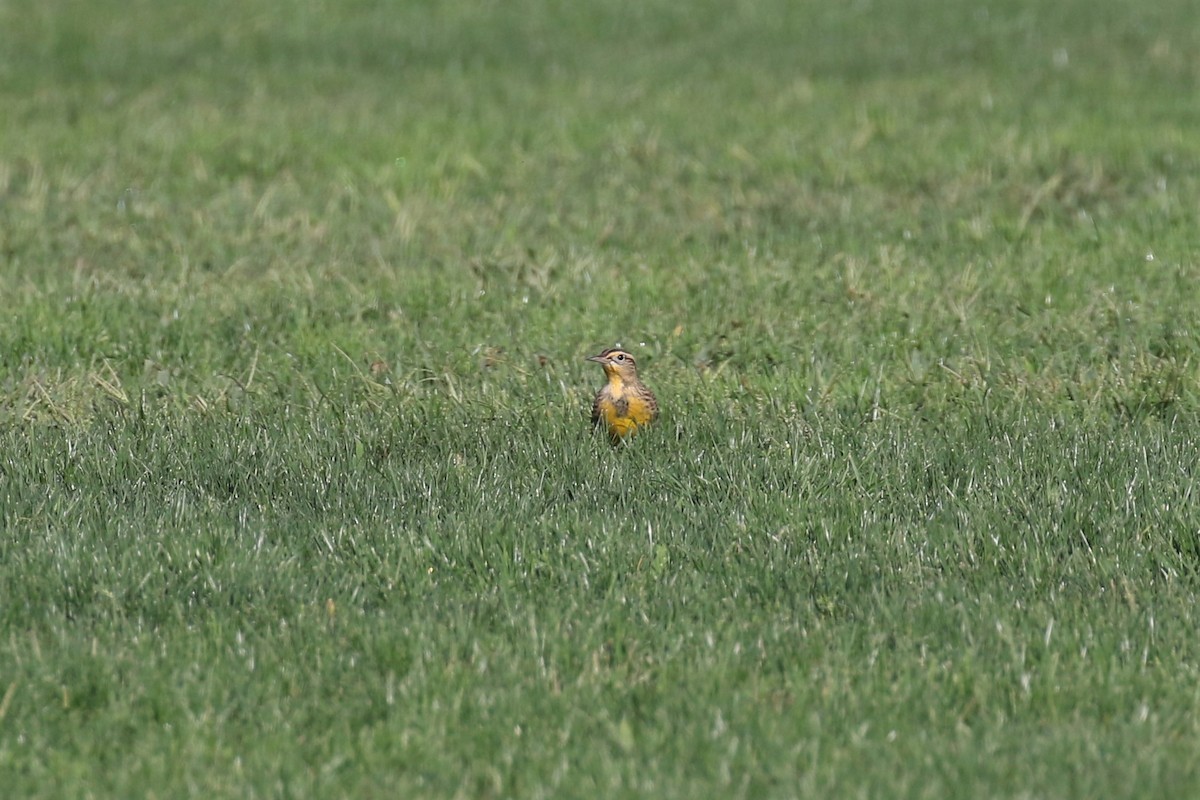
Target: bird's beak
{"points": [[598, 359]]}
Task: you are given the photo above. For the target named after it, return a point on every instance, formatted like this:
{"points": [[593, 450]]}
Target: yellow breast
{"points": [[641, 409], [624, 409]]}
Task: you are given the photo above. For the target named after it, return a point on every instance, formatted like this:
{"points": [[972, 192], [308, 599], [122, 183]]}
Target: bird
{"points": [[624, 405]]}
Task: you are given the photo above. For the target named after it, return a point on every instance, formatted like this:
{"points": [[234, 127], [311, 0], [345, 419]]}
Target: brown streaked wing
{"points": [[653, 401], [596, 414]]}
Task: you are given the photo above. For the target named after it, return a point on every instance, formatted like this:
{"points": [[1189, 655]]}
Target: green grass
{"points": [[298, 493]]}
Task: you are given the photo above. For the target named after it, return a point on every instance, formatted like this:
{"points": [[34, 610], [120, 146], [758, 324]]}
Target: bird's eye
{"points": [[620, 356]]}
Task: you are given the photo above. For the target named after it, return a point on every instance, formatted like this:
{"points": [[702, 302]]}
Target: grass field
{"points": [[298, 492]]}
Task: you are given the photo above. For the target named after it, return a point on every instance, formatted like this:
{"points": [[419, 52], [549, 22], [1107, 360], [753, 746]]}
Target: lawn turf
{"points": [[298, 493]]}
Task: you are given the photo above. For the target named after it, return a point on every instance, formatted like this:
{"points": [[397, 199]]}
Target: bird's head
{"points": [[617, 363]]}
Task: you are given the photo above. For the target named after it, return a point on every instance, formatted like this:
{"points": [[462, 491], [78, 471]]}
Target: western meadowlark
{"points": [[624, 404]]}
